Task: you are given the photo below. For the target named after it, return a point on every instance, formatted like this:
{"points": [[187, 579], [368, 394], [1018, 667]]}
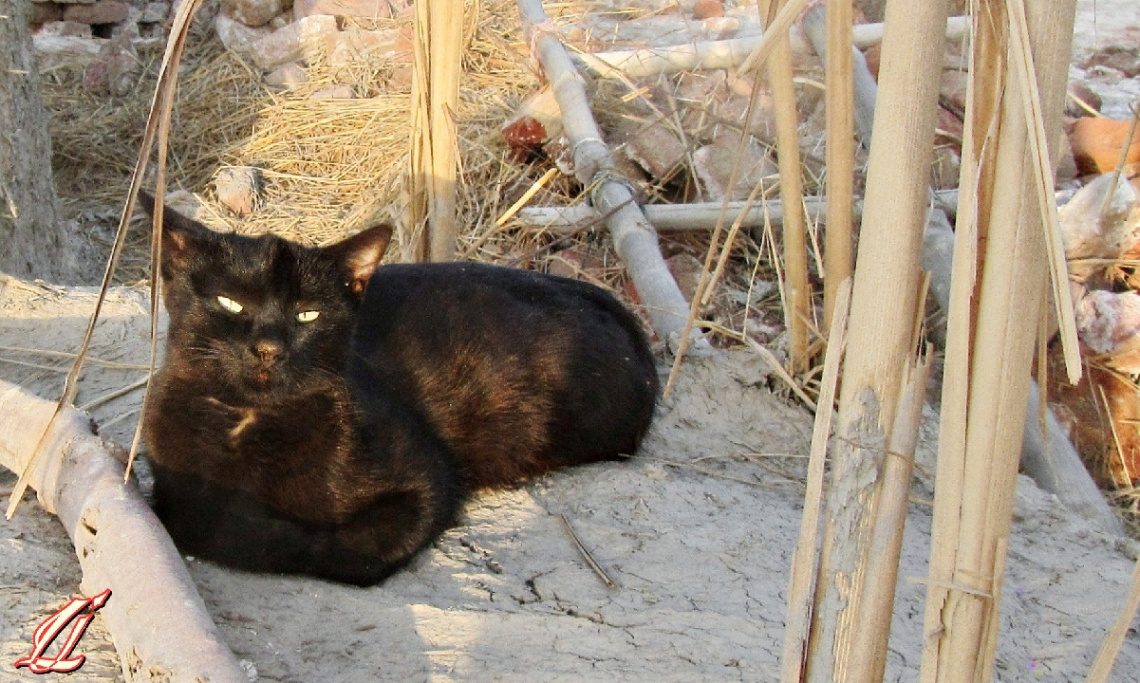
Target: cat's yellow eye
{"points": [[230, 305], [308, 316]]}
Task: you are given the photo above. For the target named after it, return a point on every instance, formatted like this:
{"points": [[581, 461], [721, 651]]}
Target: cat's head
{"points": [[260, 316]]}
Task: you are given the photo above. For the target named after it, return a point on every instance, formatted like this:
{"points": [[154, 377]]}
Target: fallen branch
{"points": [[699, 216], [612, 195], [720, 54], [156, 618]]}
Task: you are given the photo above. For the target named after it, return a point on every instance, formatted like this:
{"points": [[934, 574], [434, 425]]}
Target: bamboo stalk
{"points": [[612, 196], [797, 308], [884, 306], [436, 64], [996, 299], [156, 618], [721, 54]]}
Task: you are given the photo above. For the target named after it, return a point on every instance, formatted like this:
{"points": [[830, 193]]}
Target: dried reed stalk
{"points": [[884, 306], [1047, 455], [797, 307], [996, 297], [869, 647], [610, 194], [840, 102], [437, 60], [802, 581]]}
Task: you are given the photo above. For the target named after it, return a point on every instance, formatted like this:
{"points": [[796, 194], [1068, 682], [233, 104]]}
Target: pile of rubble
{"points": [[105, 38], [280, 37]]}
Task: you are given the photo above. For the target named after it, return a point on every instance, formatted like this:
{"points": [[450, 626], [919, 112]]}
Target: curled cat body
{"points": [[317, 413]]}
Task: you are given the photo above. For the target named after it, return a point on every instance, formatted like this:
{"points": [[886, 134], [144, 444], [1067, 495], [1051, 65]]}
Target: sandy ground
{"points": [[697, 531]]}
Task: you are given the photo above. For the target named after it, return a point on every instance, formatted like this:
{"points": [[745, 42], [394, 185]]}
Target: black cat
{"points": [[316, 414]]}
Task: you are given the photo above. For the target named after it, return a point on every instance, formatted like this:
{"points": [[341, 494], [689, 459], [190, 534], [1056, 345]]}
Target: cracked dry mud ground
{"points": [[697, 530]]}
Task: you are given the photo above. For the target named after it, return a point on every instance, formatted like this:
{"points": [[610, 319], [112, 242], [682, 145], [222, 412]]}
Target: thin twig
{"points": [[610, 583], [111, 396]]}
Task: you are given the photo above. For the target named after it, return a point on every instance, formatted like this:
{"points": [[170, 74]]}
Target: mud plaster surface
{"points": [[697, 530]]}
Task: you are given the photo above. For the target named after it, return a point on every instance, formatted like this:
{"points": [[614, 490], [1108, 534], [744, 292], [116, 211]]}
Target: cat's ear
{"points": [[359, 255], [180, 235]]}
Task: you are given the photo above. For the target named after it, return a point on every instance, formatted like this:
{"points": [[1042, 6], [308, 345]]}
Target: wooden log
{"points": [[155, 616], [611, 195]]}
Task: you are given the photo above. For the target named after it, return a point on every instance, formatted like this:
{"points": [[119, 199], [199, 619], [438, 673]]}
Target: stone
{"points": [[62, 52], [116, 69], [705, 9], [1065, 168], [1079, 90], [288, 76], [537, 122], [354, 45], [66, 28], [99, 12], [44, 12], [236, 36], [1091, 231], [1123, 58], [154, 12], [1108, 323], [656, 148], [368, 9], [952, 90], [1097, 143], [252, 13], [239, 188], [712, 165], [301, 40]]}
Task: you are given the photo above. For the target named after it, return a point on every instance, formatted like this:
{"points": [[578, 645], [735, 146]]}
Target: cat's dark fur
{"points": [[340, 445]]}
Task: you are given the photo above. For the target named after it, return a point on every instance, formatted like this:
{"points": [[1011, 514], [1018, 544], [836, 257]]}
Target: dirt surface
{"points": [[697, 532]]}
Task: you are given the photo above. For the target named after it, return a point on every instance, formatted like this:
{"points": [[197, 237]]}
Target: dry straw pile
{"points": [[331, 166]]}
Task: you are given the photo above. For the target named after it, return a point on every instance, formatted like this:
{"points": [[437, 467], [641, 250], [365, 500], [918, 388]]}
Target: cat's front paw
{"points": [[236, 420]]}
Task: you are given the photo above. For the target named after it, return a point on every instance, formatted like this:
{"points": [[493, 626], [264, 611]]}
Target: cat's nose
{"points": [[268, 351]]}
